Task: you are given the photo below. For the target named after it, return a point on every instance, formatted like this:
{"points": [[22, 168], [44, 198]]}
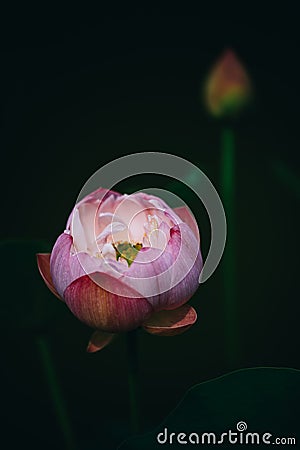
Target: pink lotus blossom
{"points": [[126, 261]]}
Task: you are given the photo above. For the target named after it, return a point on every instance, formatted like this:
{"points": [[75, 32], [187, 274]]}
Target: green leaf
{"points": [[266, 399]]}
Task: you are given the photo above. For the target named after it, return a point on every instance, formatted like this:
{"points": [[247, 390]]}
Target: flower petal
{"points": [[97, 305], [99, 340], [64, 267], [112, 228], [43, 262], [187, 217], [168, 278], [170, 323], [101, 196], [83, 228]]}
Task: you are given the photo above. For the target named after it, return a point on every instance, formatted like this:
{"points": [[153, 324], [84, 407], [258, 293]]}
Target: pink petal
{"points": [[168, 278], [170, 323], [187, 217], [134, 210], [43, 261], [101, 195], [151, 201], [99, 340], [66, 265], [186, 268], [102, 309], [111, 229], [83, 228]]}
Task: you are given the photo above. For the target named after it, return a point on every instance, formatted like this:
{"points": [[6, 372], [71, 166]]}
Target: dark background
{"points": [[79, 92]]}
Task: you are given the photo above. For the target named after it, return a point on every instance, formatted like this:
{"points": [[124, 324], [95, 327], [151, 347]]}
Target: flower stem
{"points": [[56, 393], [229, 283], [133, 379]]}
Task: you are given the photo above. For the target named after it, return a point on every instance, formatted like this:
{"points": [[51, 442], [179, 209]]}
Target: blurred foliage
{"points": [[26, 305]]}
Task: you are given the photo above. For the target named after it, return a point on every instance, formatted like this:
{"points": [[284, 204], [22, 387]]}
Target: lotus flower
{"points": [[228, 87], [126, 261]]}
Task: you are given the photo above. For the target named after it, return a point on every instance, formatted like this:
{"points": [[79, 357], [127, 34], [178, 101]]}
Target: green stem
{"points": [[56, 394], [229, 264], [132, 352]]}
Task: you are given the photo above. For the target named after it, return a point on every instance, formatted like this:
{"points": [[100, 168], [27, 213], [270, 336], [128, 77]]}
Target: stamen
{"points": [[152, 224]]}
